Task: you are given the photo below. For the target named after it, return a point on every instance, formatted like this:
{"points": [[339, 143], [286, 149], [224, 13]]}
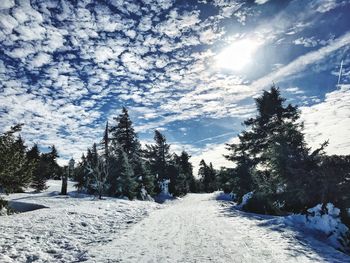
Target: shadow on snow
{"points": [[316, 240]]}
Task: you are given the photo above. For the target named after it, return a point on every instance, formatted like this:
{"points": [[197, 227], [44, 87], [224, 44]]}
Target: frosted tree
{"points": [[99, 171]]}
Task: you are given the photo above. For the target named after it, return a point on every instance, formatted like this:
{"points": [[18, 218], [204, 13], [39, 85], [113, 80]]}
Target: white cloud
{"points": [[329, 120], [213, 153], [302, 62], [324, 6], [160, 65], [261, 2], [294, 90], [41, 59], [22, 52], [103, 53], [30, 32], [7, 23], [6, 4]]}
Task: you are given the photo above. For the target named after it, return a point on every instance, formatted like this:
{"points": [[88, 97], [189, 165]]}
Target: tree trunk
{"points": [[64, 184]]}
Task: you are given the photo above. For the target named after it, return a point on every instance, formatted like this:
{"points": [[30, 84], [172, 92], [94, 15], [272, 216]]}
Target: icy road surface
{"points": [[199, 228]]}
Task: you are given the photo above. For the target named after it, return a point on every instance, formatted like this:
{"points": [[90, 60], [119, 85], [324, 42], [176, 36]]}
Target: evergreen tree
{"points": [[38, 178], [187, 169], [80, 174], [15, 168], [182, 180], [330, 182], [99, 173], [126, 184], [226, 180], [242, 176], [144, 178], [105, 141], [114, 168], [49, 168], [158, 156], [123, 133], [90, 169], [271, 156], [202, 173], [208, 177]]}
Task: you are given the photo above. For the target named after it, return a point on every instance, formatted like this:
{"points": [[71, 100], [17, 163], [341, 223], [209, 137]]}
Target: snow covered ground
{"points": [[196, 228], [66, 230]]}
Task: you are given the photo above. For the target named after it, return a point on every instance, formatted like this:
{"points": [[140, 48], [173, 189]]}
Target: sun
{"points": [[237, 55]]}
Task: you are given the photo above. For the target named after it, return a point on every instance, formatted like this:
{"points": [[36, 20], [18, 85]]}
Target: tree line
{"points": [[118, 165], [271, 159], [21, 167]]}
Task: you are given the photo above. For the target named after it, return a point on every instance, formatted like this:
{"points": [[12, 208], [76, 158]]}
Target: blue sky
{"points": [[188, 68]]}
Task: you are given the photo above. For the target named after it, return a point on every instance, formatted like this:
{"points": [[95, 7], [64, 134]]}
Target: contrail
{"points": [[340, 71], [215, 137]]}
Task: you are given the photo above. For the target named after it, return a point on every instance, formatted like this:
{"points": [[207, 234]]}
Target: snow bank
{"points": [[245, 199], [3, 207], [224, 196], [164, 194], [3, 211], [325, 219], [161, 198]]}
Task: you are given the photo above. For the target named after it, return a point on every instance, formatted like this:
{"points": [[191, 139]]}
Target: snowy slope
{"points": [[66, 230], [196, 228]]}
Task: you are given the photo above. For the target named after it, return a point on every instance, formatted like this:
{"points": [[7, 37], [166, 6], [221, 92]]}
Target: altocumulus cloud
{"points": [[65, 67]]}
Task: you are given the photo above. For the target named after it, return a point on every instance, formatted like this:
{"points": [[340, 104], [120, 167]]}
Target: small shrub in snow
{"points": [[3, 207], [325, 218], [144, 195]]}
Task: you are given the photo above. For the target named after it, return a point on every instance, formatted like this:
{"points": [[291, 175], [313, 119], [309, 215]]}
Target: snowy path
{"points": [[201, 229]]}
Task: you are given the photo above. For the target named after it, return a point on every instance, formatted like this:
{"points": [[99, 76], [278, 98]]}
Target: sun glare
{"points": [[237, 55]]}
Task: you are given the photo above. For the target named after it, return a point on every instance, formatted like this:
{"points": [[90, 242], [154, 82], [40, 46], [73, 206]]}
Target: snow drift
{"points": [[326, 219]]}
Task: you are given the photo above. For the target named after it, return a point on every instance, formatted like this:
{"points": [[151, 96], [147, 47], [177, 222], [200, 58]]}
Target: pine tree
{"points": [[158, 156], [105, 141], [49, 166], [187, 169], [202, 173], [212, 178], [15, 168], [207, 174], [144, 178], [80, 174], [123, 133], [38, 180], [226, 180], [181, 176], [272, 156], [126, 184], [91, 166]]}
